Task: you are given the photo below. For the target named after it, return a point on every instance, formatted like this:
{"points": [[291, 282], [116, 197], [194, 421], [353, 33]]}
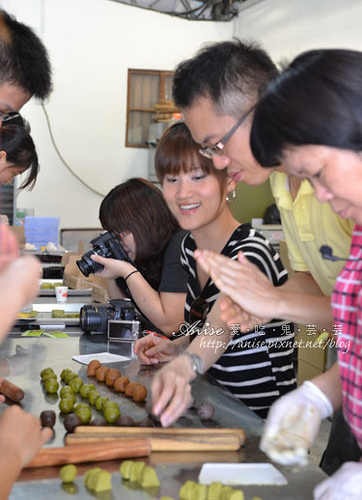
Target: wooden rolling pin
{"points": [[164, 439], [95, 452]]}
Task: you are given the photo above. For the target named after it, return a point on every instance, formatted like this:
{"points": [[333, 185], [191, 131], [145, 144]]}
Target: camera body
{"points": [[106, 245], [119, 318]]}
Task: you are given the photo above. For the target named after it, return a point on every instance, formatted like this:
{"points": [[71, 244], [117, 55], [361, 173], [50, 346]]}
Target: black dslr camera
{"points": [[105, 245], [118, 317]]}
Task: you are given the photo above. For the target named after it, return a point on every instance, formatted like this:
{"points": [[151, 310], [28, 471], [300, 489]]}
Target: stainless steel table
{"points": [[26, 357]]}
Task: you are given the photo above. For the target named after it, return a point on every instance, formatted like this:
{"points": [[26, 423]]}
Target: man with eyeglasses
{"points": [[217, 91], [24, 72]]}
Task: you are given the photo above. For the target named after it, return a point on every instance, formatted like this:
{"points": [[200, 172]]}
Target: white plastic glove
{"points": [[293, 423], [345, 484]]}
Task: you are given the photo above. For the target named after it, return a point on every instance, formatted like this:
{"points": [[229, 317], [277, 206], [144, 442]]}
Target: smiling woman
{"points": [[258, 367]]}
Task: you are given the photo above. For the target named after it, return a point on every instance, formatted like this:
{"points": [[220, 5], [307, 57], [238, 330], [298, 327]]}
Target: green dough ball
{"points": [[136, 469], [100, 402], [66, 404], [149, 478], [186, 490], [236, 495], [76, 383], [68, 473], [200, 492], [49, 375], [45, 371], [125, 469], [111, 415], [58, 313], [214, 491], [89, 477], [84, 414], [103, 481], [85, 389], [93, 396], [110, 404], [64, 372], [69, 376], [51, 385], [226, 492], [66, 390]]}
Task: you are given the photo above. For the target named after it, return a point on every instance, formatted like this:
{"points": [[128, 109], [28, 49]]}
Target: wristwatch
{"points": [[197, 363]]}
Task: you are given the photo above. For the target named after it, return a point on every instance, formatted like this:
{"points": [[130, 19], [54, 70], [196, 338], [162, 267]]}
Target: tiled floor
{"points": [[320, 443]]}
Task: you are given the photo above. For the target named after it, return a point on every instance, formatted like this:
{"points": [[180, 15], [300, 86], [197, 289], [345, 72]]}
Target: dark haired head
{"points": [[24, 60], [138, 206], [316, 100], [177, 152], [232, 74], [16, 141]]}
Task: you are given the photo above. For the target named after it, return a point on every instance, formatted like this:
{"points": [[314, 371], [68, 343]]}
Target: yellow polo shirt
{"points": [[307, 225]]}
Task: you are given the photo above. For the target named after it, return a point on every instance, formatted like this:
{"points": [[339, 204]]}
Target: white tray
{"points": [[245, 473], [50, 292]]}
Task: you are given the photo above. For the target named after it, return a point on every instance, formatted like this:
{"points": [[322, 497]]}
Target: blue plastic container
{"points": [[42, 230]]}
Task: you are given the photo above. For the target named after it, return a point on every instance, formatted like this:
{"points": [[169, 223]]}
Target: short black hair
{"points": [[316, 100], [24, 60], [233, 74]]}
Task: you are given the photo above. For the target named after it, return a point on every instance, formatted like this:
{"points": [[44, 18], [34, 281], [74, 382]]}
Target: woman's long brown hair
{"points": [[138, 206]]}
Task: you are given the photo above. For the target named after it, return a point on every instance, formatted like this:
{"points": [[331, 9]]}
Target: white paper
{"points": [[245, 473], [102, 357]]}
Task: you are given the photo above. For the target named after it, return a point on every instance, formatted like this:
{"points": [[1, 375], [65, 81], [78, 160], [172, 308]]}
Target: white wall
{"points": [[287, 27], [92, 43]]}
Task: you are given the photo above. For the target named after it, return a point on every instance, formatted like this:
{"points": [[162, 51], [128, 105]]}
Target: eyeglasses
{"points": [[199, 310], [12, 118], [218, 149]]}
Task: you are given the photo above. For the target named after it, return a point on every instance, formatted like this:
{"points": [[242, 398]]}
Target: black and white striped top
{"points": [[257, 367]]}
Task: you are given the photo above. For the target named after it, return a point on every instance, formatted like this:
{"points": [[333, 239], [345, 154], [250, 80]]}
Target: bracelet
{"points": [[130, 274]]}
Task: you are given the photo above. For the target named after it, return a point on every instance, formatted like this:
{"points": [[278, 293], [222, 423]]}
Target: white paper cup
{"points": [[61, 293]]}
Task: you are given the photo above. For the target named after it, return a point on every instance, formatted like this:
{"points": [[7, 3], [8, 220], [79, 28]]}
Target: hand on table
{"points": [[344, 484], [113, 268], [152, 350], [171, 390], [293, 423], [21, 435], [243, 282]]}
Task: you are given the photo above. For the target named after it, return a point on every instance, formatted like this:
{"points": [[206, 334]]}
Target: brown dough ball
{"points": [[71, 421], [205, 411], [111, 376], [139, 393], [101, 373], [125, 422], [92, 367], [120, 384], [130, 388]]}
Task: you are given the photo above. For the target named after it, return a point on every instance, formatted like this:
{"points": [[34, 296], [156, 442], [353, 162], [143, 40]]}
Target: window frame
{"points": [[152, 72]]}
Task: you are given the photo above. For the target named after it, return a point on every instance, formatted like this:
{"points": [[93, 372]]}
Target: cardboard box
{"points": [[19, 232], [73, 278]]}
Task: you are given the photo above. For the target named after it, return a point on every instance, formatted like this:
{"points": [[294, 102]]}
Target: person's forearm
{"points": [[302, 282], [150, 303], [10, 468], [18, 285], [304, 309], [114, 291], [329, 382], [210, 346]]}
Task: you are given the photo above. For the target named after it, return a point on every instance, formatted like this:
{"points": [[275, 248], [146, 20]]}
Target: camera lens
{"points": [[94, 318], [87, 265]]}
